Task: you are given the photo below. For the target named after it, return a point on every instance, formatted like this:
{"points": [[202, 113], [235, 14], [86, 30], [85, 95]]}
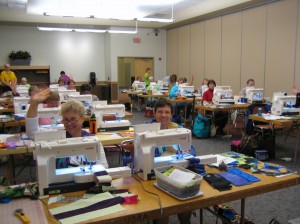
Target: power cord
{"points": [[149, 192], [34, 197]]}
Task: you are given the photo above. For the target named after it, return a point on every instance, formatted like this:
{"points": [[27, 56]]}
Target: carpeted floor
{"points": [[282, 204]]}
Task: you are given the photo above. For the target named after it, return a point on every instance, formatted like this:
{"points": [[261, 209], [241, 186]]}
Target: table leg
{"points": [[10, 169], [296, 147], [193, 111], [243, 200], [201, 215], [228, 136]]}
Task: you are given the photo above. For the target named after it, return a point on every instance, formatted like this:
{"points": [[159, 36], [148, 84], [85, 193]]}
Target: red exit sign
{"points": [[136, 40]]}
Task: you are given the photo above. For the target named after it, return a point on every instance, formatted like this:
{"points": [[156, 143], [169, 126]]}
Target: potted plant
{"points": [[19, 58]]}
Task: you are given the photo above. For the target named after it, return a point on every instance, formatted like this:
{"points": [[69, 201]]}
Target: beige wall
{"points": [[261, 43]]}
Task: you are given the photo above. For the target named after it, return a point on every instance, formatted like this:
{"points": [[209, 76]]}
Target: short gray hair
{"points": [[73, 106]]}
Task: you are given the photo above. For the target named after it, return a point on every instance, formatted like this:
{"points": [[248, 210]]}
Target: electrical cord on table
{"points": [[49, 214], [149, 192]]}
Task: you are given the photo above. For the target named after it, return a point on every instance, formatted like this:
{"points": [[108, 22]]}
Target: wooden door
{"points": [[140, 66]]}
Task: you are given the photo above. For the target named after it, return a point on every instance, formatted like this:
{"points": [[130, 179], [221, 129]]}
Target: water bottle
{"points": [[259, 112], [127, 159], [192, 150], [93, 124]]}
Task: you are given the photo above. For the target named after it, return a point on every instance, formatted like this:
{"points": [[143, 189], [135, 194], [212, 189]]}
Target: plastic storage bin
{"points": [[177, 189]]}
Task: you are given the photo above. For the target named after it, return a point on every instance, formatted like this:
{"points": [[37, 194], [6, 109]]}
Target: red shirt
{"points": [[208, 95]]}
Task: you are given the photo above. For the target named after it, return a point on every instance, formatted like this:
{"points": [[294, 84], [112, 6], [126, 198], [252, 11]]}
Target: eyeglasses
{"points": [[71, 121]]}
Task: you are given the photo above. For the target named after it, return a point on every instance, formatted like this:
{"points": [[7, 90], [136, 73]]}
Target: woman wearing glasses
{"points": [[72, 113]]}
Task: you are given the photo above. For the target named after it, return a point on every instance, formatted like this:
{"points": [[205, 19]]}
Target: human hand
{"points": [[41, 96]]}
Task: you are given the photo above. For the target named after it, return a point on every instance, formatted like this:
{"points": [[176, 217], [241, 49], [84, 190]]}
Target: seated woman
{"points": [[163, 112], [221, 117], [86, 89], [180, 107], [61, 84], [71, 84], [72, 114]]}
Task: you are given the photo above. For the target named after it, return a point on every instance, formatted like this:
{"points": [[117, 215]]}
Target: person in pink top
{"points": [[64, 77]]}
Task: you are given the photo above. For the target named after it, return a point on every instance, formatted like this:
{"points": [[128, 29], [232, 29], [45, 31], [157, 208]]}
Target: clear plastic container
{"points": [[178, 189]]}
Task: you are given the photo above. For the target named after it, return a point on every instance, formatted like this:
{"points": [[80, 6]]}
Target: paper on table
{"points": [[271, 117], [55, 199], [184, 177], [224, 159]]}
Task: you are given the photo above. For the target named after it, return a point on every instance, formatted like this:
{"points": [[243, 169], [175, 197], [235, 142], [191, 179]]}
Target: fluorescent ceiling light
{"points": [[104, 9], [123, 31], [89, 31], [156, 20], [55, 29]]}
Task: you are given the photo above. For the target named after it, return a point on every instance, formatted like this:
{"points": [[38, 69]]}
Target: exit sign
{"points": [[136, 40]]}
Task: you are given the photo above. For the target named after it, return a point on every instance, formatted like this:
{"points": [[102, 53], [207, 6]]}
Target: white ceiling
{"points": [[31, 12]]}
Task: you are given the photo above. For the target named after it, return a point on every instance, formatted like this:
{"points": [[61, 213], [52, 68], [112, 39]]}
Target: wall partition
{"points": [[261, 43]]}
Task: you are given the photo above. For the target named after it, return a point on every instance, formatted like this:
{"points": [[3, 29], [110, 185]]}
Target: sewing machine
{"points": [[255, 95], [285, 105], [23, 90], [156, 88], [86, 100], [278, 94], [148, 144], [53, 113], [56, 87], [54, 181], [186, 90], [139, 86], [117, 110], [99, 103], [223, 95], [64, 94], [20, 104]]}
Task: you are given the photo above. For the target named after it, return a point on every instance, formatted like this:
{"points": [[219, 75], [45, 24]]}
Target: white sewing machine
{"points": [[156, 88], [54, 181], [285, 105], [57, 88], [86, 100], [146, 144], [186, 90], [278, 94], [23, 90], [64, 94], [20, 104], [139, 86], [255, 95], [117, 110], [53, 112], [223, 95]]}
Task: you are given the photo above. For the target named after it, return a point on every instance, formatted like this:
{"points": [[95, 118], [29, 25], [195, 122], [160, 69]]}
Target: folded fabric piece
{"points": [[235, 179], [247, 176], [196, 167], [272, 169], [218, 182], [86, 209]]}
